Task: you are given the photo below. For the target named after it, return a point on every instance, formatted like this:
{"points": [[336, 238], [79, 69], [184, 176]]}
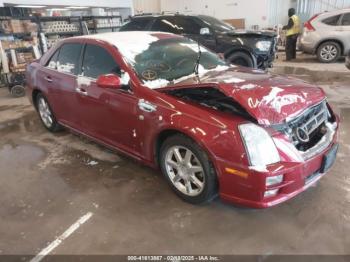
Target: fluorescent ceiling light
{"points": [[30, 6], [77, 7], [57, 9]]}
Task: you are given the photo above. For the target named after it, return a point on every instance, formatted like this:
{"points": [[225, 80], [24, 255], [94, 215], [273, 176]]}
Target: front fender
{"points": [[218, 141]]}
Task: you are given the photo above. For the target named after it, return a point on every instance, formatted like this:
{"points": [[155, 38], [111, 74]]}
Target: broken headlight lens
{"points": [[263, 46], [259, 145]]}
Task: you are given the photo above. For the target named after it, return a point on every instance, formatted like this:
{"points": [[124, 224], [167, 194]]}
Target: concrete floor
{"points": [[47, 182]]}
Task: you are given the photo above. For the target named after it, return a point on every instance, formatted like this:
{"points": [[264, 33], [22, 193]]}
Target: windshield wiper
{"points": [[196, 67]]}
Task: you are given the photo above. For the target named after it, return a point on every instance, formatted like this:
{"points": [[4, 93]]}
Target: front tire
{"points": [[328, 52], [241, 59], [188, 170], [46, 115]]}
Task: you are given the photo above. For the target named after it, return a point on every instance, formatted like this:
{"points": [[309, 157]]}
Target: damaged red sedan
{"points": [[255, 139]]}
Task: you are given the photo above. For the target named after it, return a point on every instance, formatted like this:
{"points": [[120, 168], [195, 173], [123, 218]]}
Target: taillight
{"points": [[308, 25]]}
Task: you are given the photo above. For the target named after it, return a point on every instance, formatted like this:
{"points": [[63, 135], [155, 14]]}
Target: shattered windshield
{"points": [[216, 24], [172, 59]]}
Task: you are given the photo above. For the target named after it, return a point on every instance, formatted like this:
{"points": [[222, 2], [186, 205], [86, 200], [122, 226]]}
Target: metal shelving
{"points": [[96, 23], [55, 28], [16, 50], [51, 29]]}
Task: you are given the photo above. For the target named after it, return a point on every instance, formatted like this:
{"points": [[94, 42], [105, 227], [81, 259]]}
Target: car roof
{"points": [[334, 12], [129, 43]]}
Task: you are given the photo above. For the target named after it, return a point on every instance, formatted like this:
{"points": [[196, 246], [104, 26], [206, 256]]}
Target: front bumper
{"points": [[307, 43], [297, 177]]}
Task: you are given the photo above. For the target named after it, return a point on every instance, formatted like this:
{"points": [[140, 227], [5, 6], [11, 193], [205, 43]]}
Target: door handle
{"points": [[147, 106], [48, 79], [81, 91]]}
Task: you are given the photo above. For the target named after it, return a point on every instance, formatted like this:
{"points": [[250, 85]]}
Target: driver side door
{"points": [[106, 114]]}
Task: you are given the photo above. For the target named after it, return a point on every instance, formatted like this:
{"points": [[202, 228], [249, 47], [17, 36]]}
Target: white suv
{"points": [[327, 35]]}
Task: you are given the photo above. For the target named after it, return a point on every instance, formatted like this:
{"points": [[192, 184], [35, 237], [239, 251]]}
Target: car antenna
{"points": [[196, 67]]}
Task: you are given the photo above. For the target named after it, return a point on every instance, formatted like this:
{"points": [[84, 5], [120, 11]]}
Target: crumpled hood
{"points": [[270, 99]]}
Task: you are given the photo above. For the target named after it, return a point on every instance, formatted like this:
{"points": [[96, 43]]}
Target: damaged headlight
{"points": [[259, 145], [263, 46]]}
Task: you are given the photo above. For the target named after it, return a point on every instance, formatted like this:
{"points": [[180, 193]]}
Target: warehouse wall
{"points": [[146, 6], [278, 11], [307, 8], [254, 11], [265, 13]]}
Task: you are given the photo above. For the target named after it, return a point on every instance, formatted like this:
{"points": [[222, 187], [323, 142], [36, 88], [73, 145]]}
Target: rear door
{"points": [[58, 78], [106, 114]]}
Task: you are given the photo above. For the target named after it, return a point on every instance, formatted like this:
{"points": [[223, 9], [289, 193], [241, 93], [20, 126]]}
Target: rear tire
{"points": [[188, 170], [46, 115], [328, 52], [241, 59]]}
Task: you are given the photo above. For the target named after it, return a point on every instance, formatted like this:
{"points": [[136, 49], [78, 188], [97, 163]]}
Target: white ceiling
{"points": [[100, 3]]}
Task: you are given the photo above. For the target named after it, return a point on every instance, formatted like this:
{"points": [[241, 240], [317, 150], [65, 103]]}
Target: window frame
{"points": [[341, 19], [59, 48], [146, 27], [57, 51], [338, 22]]}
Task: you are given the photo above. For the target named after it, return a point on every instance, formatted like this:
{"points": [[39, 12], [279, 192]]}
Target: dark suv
{"points": [[247, 48]]}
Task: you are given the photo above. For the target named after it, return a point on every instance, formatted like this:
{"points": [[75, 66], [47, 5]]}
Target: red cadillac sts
{"points": [[256, 139]]}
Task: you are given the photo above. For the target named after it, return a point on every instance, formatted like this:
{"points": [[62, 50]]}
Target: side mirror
{"points": [[109, 81], [204, 31]]}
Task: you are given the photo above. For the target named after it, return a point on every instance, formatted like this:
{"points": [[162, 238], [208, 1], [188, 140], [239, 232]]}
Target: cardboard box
{"points": [[29, 27], [5, 27], [237, 23], [16, 25], [5, 44]]}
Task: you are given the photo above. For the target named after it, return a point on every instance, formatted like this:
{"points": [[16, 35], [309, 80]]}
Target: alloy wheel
{"points": [[184, 170], [45, 112], [329, 52]]}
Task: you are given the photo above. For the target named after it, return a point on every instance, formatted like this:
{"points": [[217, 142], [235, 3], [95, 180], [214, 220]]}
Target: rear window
{"points": [[346, 19], [137, 24], [333, 20]]}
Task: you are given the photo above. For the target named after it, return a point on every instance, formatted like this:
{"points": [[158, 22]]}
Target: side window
{"points": [[346, 19], [332, 20], [68, 58], [52, 63], [166, 24], [187, 25], [137, 24], [97, 61]]}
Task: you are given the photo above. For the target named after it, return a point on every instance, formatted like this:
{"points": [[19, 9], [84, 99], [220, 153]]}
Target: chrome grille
{"points": [[305, 127]]}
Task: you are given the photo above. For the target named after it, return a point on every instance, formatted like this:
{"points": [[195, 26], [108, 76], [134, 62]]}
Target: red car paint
{"points": [[112, 117]]}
